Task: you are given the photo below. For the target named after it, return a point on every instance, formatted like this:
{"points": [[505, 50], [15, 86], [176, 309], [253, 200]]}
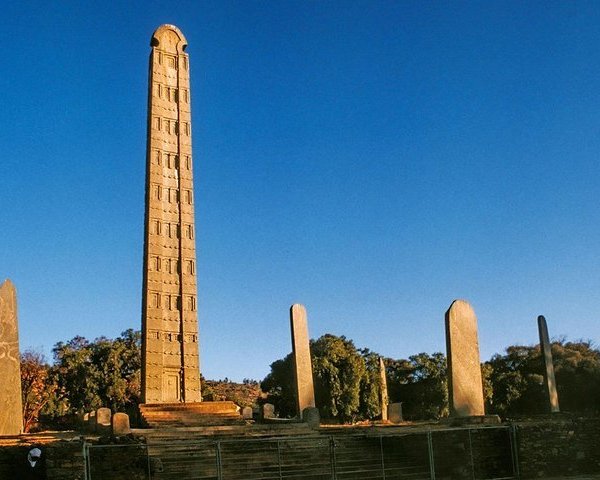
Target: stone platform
{"points": [[193, 414]]}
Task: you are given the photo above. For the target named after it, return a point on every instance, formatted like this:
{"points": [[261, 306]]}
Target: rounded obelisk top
{"points": [[169, 38]]}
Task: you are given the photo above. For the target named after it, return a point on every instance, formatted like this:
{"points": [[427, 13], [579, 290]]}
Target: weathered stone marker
{"points": [[247, 413], [302, 362], [384, 391], [11, 410], [394, 412], [312, 417], [103, 420], [465, 388], [268, 410], [549, 379], [120, 424]]}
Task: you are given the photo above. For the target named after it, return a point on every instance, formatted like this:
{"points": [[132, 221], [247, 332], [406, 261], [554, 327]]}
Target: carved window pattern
{"points": [[155, 300], [188, 162], [190, 267], [157, 227], [171, 61], [156, 123], [157, 264], [157, 192], [192, 303]]}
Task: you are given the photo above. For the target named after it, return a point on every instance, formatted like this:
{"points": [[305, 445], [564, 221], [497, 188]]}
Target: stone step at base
{"points": [[186, 434], [168, 415]]}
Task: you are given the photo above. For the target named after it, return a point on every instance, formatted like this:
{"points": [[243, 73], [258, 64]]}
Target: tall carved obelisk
{"points": [[170, 359]]}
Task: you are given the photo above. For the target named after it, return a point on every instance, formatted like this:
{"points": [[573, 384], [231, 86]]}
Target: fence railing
{"points": [[485, 453]]}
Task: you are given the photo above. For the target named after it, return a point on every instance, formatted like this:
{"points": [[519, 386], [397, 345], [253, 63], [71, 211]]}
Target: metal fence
{"points": [[487, 453]]}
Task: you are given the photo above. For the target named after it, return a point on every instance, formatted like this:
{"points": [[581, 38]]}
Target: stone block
{"points": [[312, 417], [465, 388], [11, 410], [103, 420], [394, 412], [247, 413], [268, 410], [120, 424]]}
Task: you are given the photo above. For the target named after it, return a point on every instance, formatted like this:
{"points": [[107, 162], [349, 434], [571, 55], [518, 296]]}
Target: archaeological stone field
{"points": [[176, 434]]}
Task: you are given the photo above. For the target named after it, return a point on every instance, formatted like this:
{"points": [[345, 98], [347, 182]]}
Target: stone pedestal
{"points": [[465, 388], [11, 410]]}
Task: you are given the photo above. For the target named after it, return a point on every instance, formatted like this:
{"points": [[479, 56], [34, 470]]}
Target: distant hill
{"points": [[246, 394]]}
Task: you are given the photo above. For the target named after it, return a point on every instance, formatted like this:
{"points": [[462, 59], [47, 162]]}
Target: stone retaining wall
{"points": [[565, 446]]}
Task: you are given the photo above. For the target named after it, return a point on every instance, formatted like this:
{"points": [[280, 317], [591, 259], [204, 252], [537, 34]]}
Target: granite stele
{"points": [[465, 388], [11, 411]]}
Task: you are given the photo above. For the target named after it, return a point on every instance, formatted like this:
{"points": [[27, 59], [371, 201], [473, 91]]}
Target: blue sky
{"points": [[372, 160]]}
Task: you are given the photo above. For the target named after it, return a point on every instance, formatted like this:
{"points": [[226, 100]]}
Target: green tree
{"points": [[38, 388], [280, 388], [518, 383], [338, 369], [101, 373], [420, 384], [370, 386]]}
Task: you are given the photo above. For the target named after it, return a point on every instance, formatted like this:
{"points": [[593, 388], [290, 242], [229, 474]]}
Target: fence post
{"points": [[332, 459], [472, 458], [148, 465], [86, 462], [279, 459], [381, 454], [431, 457], [218, 460], [514, 450]]}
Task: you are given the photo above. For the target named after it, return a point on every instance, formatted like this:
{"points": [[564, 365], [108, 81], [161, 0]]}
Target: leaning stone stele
{"points": [[11, 411], [549, 378], [465, 388], [302, 362], [170, 357]]}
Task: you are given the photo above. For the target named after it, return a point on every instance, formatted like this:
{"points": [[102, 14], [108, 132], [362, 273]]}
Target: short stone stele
{"points": [[268, 410], [394, 412], [11, 411], [103, 420], [247, 413], [465, 388], [120, 424]]}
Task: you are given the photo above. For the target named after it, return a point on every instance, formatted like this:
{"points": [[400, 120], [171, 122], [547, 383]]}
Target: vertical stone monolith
{"points": [[383, 394], [11, 410], [170, 357], [302, 361], [465, 388], [549, 379]]}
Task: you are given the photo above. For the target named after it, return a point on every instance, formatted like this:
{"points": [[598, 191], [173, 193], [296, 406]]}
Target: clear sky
{"points": [[373, 160]]}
